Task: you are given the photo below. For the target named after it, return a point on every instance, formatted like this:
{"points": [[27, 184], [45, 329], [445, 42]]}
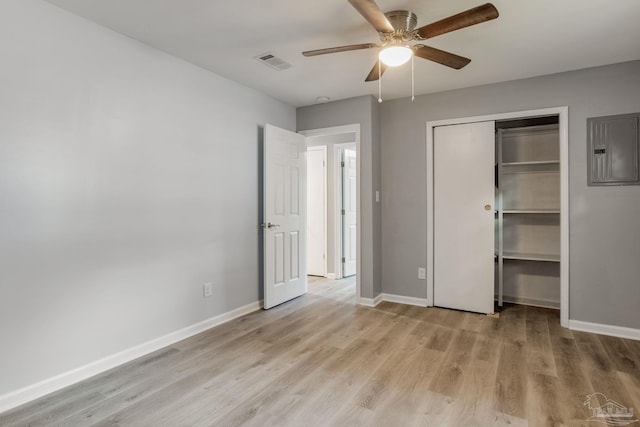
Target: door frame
{"points": [[338, 150], [322, 148], [336, 130], [563, 118]]}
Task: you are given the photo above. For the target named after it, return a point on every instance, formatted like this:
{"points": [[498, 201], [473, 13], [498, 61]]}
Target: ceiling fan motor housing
{"points": [[403, 21]]}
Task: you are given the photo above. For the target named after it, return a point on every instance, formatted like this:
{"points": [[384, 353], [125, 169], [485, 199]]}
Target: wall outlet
{"points": [[377, 196], [422, 273], [207, 290]]}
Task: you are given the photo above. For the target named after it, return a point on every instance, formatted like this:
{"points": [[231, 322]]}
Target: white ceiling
{"points": [[530, 38]]}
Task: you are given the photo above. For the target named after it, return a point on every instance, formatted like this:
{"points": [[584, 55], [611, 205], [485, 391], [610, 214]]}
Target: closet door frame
{"points": [[563, 118]]}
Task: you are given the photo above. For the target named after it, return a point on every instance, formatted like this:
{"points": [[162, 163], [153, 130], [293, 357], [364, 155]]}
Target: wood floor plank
{"points": [[510, 393], [620, 354], [543, 399], [514, 323], [259, 402], [487, 348], [403, 343], [538, 348], [632, 384], [449, 379], [326, 392], [634, 345], [475, 404], [572, 378], [107, 407], [438, 316], [440, 338], [436, 410], [348, 374]]}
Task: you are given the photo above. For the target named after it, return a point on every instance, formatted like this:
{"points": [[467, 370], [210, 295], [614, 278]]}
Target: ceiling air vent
{"points": [[273, 61]]}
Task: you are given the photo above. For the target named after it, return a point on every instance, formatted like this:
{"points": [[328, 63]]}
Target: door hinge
{"points": [[342, 211], [343, 260], [342, 163]]}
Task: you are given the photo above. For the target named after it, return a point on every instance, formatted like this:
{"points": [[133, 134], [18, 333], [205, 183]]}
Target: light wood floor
{"points": [[322, 361]]}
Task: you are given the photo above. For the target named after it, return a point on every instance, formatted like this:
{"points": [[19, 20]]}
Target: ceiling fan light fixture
{"points": [[394, 56]]}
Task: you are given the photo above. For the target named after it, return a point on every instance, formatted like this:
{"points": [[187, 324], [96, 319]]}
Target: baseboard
{"points": [[531, 301], [400, 299], [370, 302], [598, 328], [331, 276], [42, 388]]}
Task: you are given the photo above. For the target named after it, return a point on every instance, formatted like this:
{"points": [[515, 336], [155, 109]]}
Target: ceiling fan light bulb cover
{"points": [[393, 56]]}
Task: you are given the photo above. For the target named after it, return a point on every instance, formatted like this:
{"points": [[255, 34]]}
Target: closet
{"points": [[528, 212], [495, 220]]}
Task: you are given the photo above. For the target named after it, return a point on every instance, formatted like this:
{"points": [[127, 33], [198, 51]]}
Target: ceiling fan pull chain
{"points": [[413, 81], [379, 81]]}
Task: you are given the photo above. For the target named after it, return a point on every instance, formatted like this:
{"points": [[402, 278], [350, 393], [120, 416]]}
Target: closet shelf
{"points": [[531, 257], [531, 211], [536, 162]]}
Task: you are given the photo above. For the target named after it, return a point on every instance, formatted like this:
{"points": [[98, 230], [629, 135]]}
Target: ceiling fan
{"points": [[397, 29]]}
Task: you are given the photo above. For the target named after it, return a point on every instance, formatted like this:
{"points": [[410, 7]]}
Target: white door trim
{"points": [[563, 115], [322, 148], [338, 149], [334, 130]]}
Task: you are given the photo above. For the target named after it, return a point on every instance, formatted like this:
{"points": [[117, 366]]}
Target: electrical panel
{"points": [[613, 150]]}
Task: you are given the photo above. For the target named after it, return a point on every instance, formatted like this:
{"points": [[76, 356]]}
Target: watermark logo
{"points": [[608, 411]]}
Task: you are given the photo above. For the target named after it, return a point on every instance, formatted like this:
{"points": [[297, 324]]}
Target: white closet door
{"points": [[464, 158]]}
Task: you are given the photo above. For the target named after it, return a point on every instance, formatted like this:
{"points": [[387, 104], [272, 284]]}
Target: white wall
{"points": [[128, 178]]}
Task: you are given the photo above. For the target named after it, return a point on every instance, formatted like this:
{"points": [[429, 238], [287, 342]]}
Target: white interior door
{"points": [[316, 211], [464, 158], [285, 219], [349, 213]]}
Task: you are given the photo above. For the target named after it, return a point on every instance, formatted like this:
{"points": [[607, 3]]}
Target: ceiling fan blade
{"points": [[479, 14], [339, 49], [375, 74], [440, 56], [372, 13]]}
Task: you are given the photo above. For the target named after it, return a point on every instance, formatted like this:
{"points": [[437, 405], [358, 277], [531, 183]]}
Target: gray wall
{"points": [[365, 111], [604, 232], [128, 178]]}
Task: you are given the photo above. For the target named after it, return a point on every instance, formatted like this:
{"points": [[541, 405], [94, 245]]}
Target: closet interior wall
{"points": [[528, 212]]}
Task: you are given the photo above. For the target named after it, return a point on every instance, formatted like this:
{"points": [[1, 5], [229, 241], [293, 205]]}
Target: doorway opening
{"points": [[333, 207]]}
